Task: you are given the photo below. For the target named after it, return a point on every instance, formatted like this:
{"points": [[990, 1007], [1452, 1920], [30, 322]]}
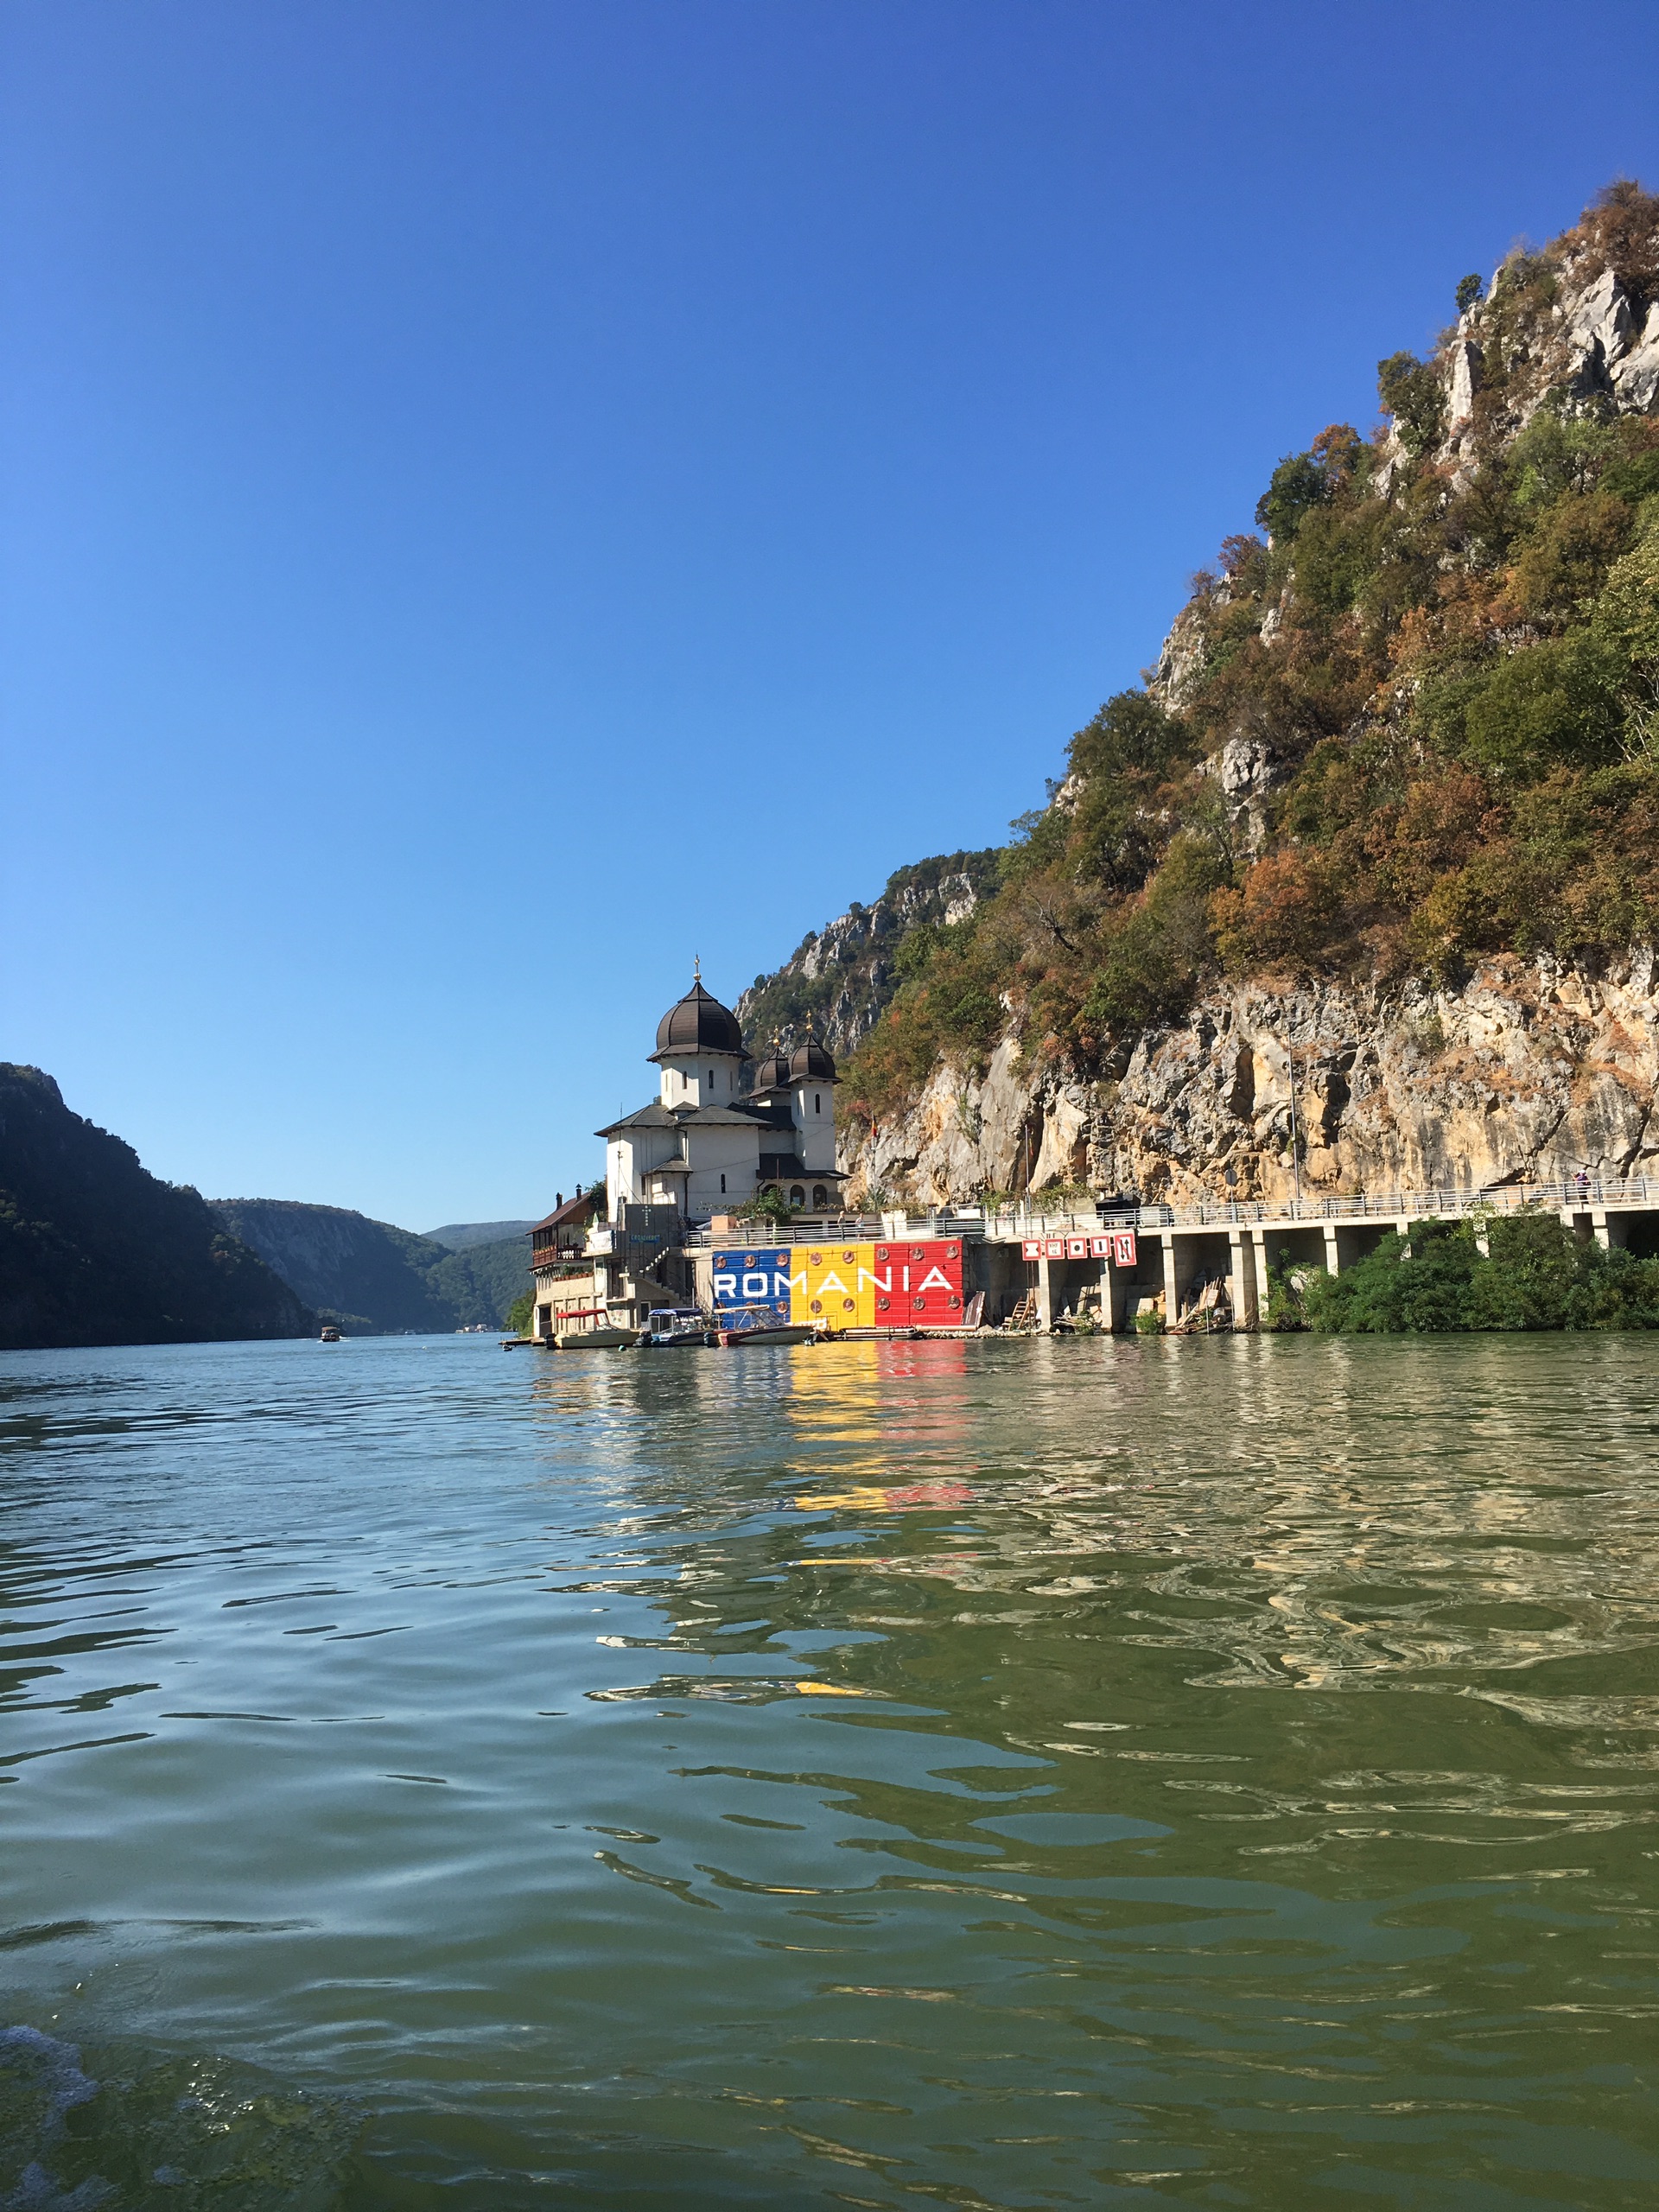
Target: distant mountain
{"points": [[95, 1251], [462, 1235], [482, 1282], [373, 1278]]}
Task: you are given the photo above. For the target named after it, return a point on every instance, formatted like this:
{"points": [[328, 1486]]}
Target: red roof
{"points": [[572, 1213]]}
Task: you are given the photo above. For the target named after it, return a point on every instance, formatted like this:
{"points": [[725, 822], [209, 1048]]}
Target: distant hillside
{"points": [[481, 1281], [462, 1235], [373, 1278], [95, 1251]]}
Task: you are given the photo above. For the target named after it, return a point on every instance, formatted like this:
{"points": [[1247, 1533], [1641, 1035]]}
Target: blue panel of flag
{"points": [[751, 1287]]}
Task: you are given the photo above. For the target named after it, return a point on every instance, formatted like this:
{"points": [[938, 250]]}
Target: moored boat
{"points": [[676, 1328], [790, 1333]]}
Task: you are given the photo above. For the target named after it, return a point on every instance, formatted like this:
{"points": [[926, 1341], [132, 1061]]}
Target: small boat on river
{"points": [[330, 1335]]}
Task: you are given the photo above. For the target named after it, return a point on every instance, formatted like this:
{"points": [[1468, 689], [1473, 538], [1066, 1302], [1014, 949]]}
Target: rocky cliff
{"points": [[1380, 833], [842, 977], [1531, 1070]]}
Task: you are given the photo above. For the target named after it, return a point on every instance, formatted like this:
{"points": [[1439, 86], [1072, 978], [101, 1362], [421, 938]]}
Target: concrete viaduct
{"points": [[1054, 1258]]}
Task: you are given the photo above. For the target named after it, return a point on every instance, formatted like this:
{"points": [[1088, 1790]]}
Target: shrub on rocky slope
{"points": [[1410, 721]]}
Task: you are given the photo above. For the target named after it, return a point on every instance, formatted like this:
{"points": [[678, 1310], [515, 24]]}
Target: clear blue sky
{"points": [[500, 495]]}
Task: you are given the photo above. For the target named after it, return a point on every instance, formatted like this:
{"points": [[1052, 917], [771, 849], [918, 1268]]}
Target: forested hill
{"points": [[95, 1251], [373, 1278], [1408, 722]]}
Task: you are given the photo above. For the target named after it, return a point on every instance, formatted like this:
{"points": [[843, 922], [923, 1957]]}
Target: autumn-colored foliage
{"points": [[1415, 718]]}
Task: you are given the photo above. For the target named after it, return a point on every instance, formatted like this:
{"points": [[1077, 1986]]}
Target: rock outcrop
{"points": [[1532, 1070], [842, 977]]}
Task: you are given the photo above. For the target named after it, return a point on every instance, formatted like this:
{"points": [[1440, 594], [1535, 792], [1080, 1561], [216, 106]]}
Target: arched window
{"points": [[797, 1195], [820, 1196]]}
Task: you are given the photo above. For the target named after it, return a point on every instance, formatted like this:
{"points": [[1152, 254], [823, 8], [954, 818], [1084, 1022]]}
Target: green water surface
{"points": [[1030, 1774]]}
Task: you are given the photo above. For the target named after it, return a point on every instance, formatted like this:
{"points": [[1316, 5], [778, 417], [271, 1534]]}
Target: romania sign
{"points": [[896, 1286]]}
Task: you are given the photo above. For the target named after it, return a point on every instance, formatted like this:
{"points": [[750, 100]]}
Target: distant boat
{"points": [[330, 1335]]}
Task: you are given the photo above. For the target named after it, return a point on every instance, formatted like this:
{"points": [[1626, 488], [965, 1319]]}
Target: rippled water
{"points": [[1024, 1773]]}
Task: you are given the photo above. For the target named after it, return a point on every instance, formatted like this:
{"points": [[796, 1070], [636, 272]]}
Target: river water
{"points": [[1041, 1773]]}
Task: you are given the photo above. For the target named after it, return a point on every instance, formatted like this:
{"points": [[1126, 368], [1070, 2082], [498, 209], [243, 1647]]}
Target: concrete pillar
{"points": [[1045, 1294], [1332, 1258], [1607, 1233], [1259, 1260], [1172, 1288], [1241, 1279]]}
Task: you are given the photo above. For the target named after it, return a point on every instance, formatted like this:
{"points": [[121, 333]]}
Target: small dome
{"points": [[697, 1023], [810, 1063], [773, 1072]]}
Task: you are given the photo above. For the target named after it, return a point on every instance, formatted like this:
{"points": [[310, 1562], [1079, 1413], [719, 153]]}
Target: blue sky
{"points": [[499, 496]]}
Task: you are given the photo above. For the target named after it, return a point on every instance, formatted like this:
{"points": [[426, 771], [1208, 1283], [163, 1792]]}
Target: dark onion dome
{"points": [[772, 1073], [810, 1063], [698, 1024]]}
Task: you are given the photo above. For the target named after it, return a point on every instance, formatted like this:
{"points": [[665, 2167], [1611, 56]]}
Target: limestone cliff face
{"points": [[1532, 1069]]}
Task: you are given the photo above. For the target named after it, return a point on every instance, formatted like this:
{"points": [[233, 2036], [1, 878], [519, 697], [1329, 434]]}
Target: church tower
{"points": [[699, 1050]]}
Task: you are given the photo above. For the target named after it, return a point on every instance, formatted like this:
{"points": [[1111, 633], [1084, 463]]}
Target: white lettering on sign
{"points": [[833, 1282], [935, 1279], [756, 1286], [726, 1284], [881, 1282]]}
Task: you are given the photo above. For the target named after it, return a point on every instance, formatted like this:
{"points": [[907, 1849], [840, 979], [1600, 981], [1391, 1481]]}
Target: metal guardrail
{"points": [[1589, 1192], [974, 1226]]}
